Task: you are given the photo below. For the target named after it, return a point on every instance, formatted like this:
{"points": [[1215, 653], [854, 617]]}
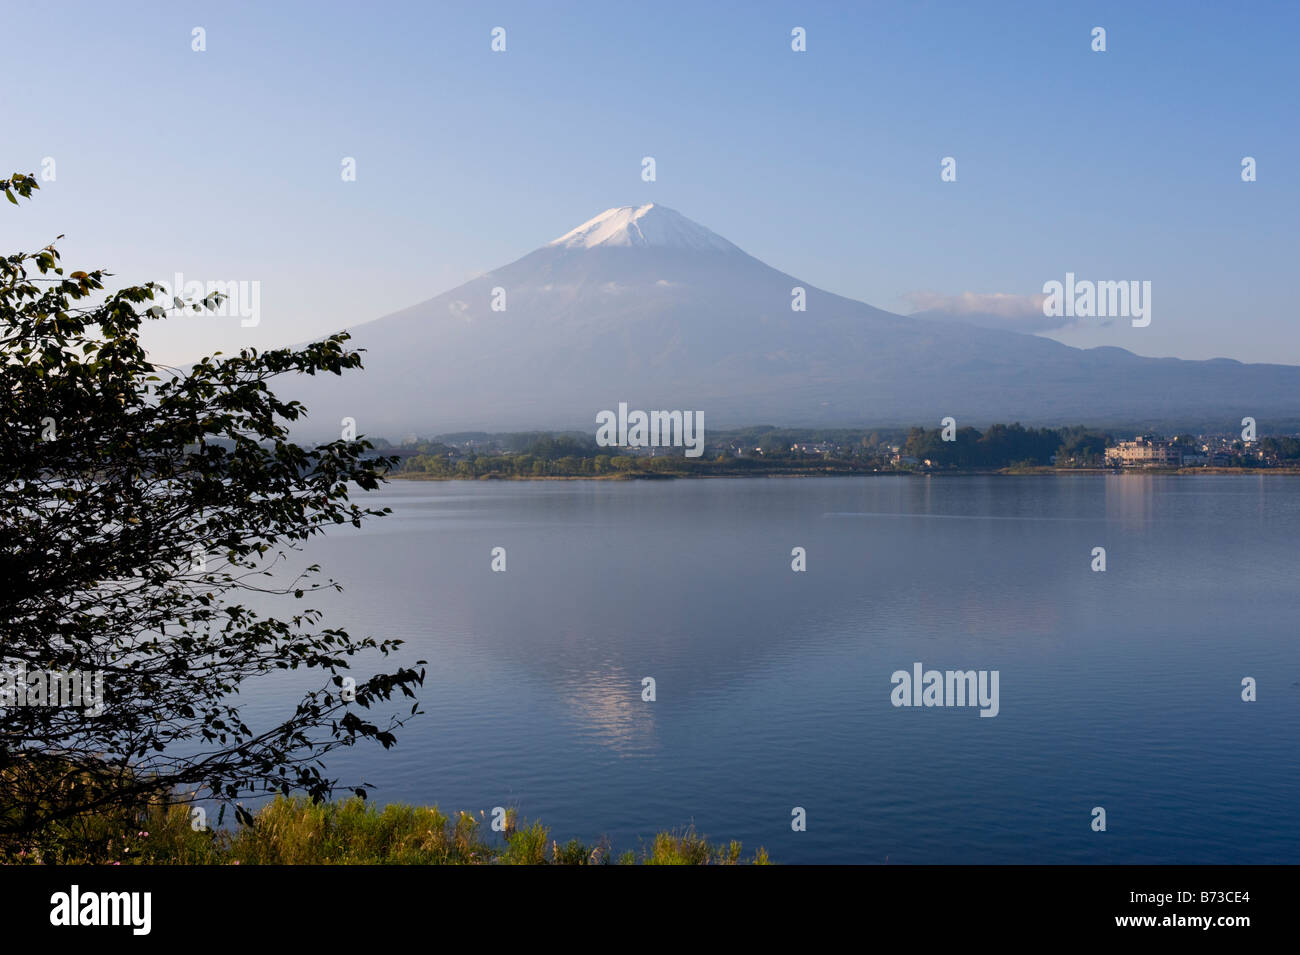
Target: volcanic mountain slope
{"points": [[642, 305]]}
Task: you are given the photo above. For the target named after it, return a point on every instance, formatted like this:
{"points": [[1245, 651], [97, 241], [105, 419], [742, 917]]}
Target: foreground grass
{"points": [[351, 832]]}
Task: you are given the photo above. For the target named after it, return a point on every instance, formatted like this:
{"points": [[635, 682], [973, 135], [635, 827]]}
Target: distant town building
{"points": [[1144, 452]]}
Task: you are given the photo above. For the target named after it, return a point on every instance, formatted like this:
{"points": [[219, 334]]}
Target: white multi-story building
{"points": [[1144, 452]]}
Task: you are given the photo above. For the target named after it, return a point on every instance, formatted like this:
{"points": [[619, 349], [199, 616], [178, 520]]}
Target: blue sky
{"points": [[225, 164]]}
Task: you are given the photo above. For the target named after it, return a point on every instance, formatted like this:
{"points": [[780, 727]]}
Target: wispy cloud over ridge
{"points": [[1004, 310]]}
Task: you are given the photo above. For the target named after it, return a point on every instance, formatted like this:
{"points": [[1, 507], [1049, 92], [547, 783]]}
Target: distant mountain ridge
{"points": [[641, 304]]}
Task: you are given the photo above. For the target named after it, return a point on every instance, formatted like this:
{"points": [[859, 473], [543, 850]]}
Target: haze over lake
{"points": [[1119, 689]]}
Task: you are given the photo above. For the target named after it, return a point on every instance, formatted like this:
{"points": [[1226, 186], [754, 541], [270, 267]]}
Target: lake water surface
{"points": [[1119, 689]]}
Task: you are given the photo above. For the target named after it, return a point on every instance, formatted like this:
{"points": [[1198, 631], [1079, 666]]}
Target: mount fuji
{"points": [[641, 304]]}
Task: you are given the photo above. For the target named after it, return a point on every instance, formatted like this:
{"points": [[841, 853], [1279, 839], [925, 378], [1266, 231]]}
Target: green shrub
{"points": [[349, 832]]}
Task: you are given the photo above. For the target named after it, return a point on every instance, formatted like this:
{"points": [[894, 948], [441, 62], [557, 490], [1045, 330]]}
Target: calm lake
{"points": [[1119, 689]]}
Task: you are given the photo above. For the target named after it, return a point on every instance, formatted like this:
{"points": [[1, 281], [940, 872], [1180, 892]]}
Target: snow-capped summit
{"points": [[643, 226]]}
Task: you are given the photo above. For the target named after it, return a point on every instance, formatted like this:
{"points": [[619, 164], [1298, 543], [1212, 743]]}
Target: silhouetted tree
{"points": [[137, 504]]}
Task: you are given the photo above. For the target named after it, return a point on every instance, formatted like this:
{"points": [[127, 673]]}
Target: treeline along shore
{"points": [[773, 452]]}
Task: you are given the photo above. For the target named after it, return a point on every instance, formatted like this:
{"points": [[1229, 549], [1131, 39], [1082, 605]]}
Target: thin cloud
{"points": [[1017, 313]]}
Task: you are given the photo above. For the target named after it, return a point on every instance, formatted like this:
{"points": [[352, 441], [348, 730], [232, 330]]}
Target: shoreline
{"points": [[749, 475]]}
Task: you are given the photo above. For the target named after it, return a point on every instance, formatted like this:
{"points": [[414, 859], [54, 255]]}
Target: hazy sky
{"points": [[225, 164]]}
